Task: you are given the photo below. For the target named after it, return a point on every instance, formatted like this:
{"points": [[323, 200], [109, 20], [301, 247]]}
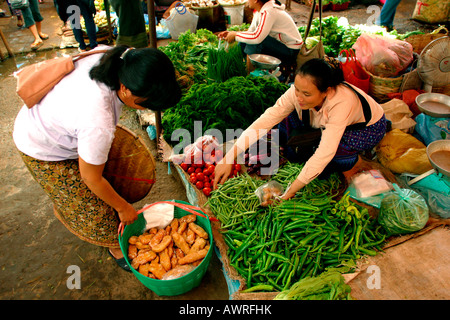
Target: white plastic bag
{"points": [[158, 216], [181, 20]]}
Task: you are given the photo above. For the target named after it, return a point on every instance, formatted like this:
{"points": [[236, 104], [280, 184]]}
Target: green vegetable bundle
{"points": [[403, 211], [233, 104], [328, 285], [224, 64], [189, 56]]}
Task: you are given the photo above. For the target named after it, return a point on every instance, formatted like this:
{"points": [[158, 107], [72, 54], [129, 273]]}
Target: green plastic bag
{"points": [[403, 211]]}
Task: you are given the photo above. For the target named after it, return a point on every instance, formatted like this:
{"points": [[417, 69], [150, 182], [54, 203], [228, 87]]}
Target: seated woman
{"points": [[272, 32], [350, 122]]}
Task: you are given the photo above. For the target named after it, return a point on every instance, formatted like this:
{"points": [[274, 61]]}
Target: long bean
{"points": [[277, 246]]}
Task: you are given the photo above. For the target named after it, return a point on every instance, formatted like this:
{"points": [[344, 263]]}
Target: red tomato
{"points": [[199, 185], [200, 176], [235, 172], [207, 185], [190, 170], [211, 169], [184, 166], [237, 167], [193, 180], [198, 170], [206, 191], [206, 172]]}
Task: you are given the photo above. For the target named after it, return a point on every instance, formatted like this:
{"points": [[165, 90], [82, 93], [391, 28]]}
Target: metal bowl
{"points": [[264, 61], [441, 165], [434, 104]]}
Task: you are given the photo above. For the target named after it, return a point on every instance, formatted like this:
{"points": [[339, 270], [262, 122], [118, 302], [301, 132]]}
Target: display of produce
{"points": [[189, 56], [239, 101], [279, 245], [171, 252]]}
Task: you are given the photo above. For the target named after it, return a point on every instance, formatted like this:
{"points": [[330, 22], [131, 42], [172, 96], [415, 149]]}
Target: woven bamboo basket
{"points": [[380, 87], [420, 41], [130, 168]]}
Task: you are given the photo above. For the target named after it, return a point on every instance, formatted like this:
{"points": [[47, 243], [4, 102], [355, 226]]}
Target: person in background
{"points": [[65, 139], [272, 32], [387, 14], [17, 13], [87, 10], [132, 30], [350, 122], [33, 21]]}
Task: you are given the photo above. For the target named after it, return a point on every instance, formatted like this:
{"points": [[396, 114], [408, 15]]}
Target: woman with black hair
{"points": [[272, 32], [65, 139], [349, 120]]}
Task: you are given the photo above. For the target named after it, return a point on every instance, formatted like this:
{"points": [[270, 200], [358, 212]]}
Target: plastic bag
{"points": [[398, 112], [181, 20], [269, 192], [403, 211], [370, 183], [383, 56], [178, 271], [162, 31], [158, 216], [431, 11], [435, 188], [400, 152], [431, 129]]}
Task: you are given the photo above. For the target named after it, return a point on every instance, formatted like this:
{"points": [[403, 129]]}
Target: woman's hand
{"points": [[127, 215], [221, 173], [222, 35], [231, 36], [296, 186], [92, 175]]}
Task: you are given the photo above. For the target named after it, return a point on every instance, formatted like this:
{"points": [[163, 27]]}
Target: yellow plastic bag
{"points": [[400, 152]]}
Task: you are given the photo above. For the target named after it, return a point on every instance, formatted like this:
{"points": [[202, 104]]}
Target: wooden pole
{"points": [[153, 44]]}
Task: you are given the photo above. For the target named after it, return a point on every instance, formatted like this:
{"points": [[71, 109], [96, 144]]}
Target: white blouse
{"points": [[77, 118]]}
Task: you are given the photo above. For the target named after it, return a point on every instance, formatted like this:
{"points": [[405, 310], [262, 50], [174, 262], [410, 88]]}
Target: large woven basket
{"points": [[130, 168], [420, 41], [380, 87]]}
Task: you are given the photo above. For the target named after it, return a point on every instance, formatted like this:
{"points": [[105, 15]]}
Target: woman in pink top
{"points": [[272, 32], [349, 120]]}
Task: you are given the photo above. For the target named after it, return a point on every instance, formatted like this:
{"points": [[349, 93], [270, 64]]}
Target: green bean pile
{"points": [[273, 247]]}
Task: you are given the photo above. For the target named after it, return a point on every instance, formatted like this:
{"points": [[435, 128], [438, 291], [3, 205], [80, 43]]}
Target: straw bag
{"points": [[35, 81], [317, 51]]}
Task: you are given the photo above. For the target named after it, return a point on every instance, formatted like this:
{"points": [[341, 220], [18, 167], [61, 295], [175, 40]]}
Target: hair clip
{"points": [[125, 52]]}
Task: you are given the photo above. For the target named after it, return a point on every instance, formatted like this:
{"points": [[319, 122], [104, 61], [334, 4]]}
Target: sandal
{"points": [[121, 262], [36, 46], [44, 36]]}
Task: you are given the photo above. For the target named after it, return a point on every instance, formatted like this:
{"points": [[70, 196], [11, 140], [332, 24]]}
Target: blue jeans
{"points": [[387, 14], [91, 29], [271, 47]]}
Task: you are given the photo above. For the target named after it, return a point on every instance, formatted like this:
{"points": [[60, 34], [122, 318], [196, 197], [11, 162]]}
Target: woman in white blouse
{"points": [[65, 139]]}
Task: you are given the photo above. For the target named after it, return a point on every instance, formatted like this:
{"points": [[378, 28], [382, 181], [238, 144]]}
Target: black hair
{"points": [[147, 72], [324, 74], [265, 1]]}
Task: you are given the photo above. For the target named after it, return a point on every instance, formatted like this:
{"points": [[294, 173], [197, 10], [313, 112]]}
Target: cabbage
{"points": [[403, 211], [311, 42]]}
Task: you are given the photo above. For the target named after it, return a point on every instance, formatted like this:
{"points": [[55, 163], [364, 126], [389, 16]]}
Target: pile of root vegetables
{"points": [[170, 252], [276, 246]]}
